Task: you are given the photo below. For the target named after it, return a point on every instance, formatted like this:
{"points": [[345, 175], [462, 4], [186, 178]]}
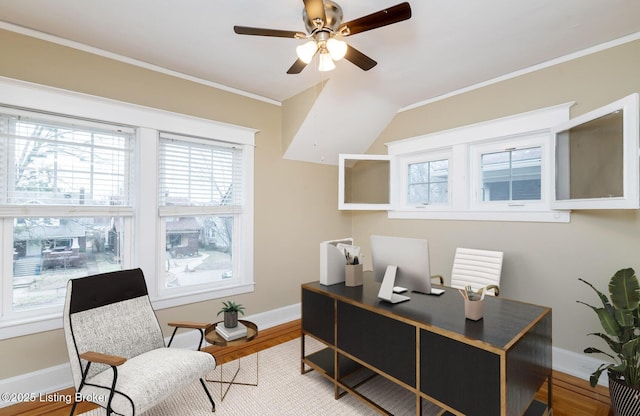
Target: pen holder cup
{"points": [[353, 275], [473, 309]]}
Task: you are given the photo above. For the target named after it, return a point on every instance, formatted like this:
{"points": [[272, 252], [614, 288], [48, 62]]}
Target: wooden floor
{"points": [[571, 396]]}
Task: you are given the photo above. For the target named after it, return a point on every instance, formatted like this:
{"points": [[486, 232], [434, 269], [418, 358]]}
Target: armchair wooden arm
{"points": [[111, 360], [439, 277], [192, 325], [201, 327], [97, 357]]}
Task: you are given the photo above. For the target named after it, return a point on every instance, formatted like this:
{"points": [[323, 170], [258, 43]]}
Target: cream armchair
{"points": [[116, 348]]}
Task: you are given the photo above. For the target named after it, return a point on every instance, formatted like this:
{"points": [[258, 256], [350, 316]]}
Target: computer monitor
{"points": [[410, 255]]}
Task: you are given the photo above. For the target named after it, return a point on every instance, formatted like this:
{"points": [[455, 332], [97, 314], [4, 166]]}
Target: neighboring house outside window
{"points": [[61, 180], [202, 211]]}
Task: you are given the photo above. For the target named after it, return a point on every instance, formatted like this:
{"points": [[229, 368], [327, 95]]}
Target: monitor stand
{"points": [[386, 289]]}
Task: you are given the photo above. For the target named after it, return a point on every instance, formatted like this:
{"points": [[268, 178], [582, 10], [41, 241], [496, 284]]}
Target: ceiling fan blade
{"points": [[297, 67], [385, 17], [256, 31], [315, 10], [359, 59]]}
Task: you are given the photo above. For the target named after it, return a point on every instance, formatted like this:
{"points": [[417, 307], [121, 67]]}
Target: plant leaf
{"points": [[624, 290], [592, 350], [595, 376], [615, 346], [602, 296], [608, 322], [624, 318], [630, 351]]}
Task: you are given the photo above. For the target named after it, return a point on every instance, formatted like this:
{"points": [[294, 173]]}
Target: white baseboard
{"points": [[31, 386], [58, 377], [577, 365]]}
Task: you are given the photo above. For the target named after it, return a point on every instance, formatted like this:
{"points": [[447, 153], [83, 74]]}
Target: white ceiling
{"points": [[446, 46]]}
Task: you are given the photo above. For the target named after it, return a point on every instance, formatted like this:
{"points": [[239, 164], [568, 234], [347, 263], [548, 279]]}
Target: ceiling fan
{"points": [[323, 21]]}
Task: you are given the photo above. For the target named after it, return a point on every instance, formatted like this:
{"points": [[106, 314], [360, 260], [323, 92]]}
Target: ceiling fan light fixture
{"points": [[337, 48], [325, 30], [306, 51], [325, 63]]}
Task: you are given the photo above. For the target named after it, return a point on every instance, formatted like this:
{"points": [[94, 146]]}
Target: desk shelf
{"points": [[323, 362], [536, 408]]}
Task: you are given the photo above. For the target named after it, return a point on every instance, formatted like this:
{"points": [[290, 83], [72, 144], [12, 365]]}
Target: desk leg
{"points": [[302, 354], [549, 395]]}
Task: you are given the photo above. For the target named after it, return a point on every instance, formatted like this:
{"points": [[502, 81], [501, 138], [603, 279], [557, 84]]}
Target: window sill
{"points": [[175, 299], [517, 216], [27, 326]]}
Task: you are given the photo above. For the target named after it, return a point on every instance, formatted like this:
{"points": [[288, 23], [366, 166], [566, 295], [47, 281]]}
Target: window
{"points": [[497, 170], [428, 182], [363, 182], [66, 201], [202, 213], [512, 175], [82, 192], [596, 158]]}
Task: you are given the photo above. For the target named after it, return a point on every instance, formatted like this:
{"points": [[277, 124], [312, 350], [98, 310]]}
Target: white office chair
{"points": [[478, 269]]}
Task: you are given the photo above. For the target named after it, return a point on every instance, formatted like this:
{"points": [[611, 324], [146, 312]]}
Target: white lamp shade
{"points": [[325, 63], [306, 51], [337, 48]]}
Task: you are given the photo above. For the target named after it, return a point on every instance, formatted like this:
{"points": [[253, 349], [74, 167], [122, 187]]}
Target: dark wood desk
{"points": [[493, 366]]}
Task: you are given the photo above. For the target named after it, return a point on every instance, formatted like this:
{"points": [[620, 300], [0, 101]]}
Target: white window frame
{"points": [[539, 139], [144, 223], [343, 161], [629, 106], [403, 203], [464, 172], [243, 233]]}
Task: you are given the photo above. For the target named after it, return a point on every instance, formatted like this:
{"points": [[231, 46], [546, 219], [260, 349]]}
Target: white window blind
{"points": [[197, 173], [56, 163]]}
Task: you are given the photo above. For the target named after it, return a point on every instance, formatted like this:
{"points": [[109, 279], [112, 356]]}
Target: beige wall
{"points": [[295, 203], [542, 261]]}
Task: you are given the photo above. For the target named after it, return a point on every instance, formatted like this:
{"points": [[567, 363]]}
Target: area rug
{"points": [[282, 390]]}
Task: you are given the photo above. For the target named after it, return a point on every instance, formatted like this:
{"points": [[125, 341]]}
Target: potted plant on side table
{"points": [[231, 310], [620, 319]]}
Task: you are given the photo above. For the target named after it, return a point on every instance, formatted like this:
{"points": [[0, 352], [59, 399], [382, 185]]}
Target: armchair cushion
{"points": [[164, 371], [125, 329]]}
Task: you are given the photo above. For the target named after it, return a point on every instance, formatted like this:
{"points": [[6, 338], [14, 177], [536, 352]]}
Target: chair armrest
{"points": [[440, 278], [495, 288], [201, 327], [193, 325], [96, 357]]}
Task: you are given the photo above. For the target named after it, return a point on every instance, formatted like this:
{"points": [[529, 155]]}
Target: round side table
{"points": [[213, 337]]}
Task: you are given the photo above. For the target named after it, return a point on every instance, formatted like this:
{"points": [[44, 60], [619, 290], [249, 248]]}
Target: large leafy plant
{"points": [[620, 320]]}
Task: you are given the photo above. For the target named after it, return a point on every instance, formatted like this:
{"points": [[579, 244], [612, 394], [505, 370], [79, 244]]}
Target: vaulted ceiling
{"points": [[445, 47]]}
